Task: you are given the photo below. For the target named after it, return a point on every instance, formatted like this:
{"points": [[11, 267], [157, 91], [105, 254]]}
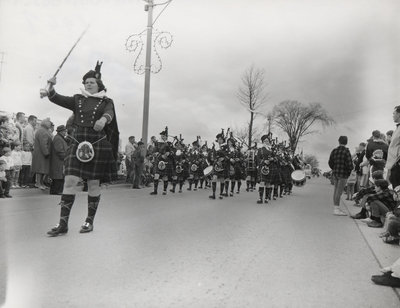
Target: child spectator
{"points": [[351, 182], [16, 155], [3, 179], [8, 168], [25, 174]]}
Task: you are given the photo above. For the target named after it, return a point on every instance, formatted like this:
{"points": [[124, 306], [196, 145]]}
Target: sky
{"points": [[341, 54]]}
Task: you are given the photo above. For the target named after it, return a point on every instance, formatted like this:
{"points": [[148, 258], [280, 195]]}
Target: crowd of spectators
{"points": [[372, 180], [30, 154]]}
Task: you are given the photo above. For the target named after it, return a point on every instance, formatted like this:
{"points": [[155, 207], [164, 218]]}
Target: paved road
{"points": [[185, 250]]}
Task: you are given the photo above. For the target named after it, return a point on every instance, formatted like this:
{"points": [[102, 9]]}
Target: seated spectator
{"points": [[380, 204], [351, 182], [361, 197], [390, 276]]}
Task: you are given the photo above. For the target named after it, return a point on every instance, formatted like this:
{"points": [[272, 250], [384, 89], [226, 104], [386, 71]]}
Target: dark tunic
{"points": [[165, 155], [87, 110]]}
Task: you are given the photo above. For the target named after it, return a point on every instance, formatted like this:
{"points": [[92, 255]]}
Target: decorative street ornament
{"points": [[135, 43]]}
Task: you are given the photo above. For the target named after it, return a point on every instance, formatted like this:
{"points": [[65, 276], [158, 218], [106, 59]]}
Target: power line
{"points": [[167, 3]]}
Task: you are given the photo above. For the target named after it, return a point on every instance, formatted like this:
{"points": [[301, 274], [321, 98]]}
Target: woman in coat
{"points": [[58, 152], [41, 152], [93, 151]]}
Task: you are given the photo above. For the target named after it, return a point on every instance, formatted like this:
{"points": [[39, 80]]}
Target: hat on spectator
{"points": [[140, 143], [383, 184], [61, 128], [2, 162], [376, 134], [389, 133]]}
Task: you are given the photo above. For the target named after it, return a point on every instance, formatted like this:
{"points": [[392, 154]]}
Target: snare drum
{"points": [[207, 171], [298, 177]]}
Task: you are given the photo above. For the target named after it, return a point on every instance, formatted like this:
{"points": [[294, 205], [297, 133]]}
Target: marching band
{"points": [[272, 166]]}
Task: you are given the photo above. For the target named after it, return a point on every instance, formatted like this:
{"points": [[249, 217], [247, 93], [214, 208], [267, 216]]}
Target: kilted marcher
{"points": [[195, 166], [236, 166], [220, 166], [264, 159], [41, 153], [341, 164], [181, 166], [276, 181], [59, 149], [164, 163], [92, 153], [251, 168], [286, 173]]}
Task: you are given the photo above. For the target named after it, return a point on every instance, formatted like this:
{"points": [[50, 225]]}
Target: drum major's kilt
{"points": [[103, 165]]}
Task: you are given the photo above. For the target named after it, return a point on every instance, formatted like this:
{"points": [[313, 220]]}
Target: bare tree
{"points": [[297, 120], [251, 95], [242, 135], [311, 160]]}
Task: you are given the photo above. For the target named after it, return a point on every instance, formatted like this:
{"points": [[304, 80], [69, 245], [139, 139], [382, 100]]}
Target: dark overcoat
{"points": [[41, 152], [59, 149]]}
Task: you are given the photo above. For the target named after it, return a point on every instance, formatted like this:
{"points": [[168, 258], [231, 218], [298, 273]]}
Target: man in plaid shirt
{"points": [[341, 164]]}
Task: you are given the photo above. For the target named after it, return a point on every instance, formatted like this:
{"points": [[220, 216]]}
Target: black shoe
{"points": [[57, 230], [172, 190], [211, 197], [266, 201], [360, 215], [189, 188], [386, 280], [2, 196], [164, 192], [259, 201], [238, 192], [231, 194], [221, 197], [7, 196], [86, 227], [274, 197], [153, 193], [247, 189]]}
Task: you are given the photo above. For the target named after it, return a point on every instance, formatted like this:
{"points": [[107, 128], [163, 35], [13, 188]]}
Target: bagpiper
{"points": [[163, 162], [181, 165], [220, 166], [264, 159], [236, 166], [251, 168], [195, 170]]}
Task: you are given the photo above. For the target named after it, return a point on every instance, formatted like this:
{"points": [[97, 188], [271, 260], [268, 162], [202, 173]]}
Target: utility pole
{"points": [[135, 44], [146, 102]]}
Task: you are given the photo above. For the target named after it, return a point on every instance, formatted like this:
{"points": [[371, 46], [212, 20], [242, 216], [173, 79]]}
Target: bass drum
{"points": [[207, 171], [299, 177]]}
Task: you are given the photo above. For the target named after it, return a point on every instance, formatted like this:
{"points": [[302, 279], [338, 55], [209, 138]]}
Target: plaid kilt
{"points": [[169, 170], [102, 167], [273, 177], [238, 173], [286, 174]]}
